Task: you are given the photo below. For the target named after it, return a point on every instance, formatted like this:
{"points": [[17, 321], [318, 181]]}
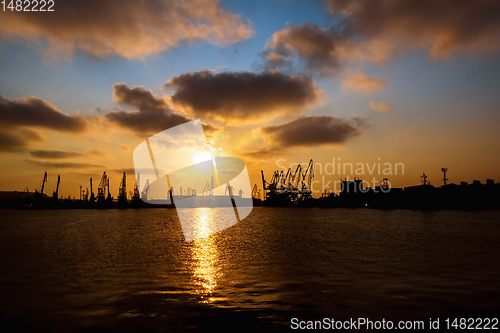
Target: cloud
{"points": [[72, 165], [275, 58], [64, 165], [235, 97], [96, 152], [375, 31], [313, 45], [439, 27], [259, 153], [35, 112], [311, 131], [322, 51], [362, 82], [139, 97], [128, 171], [56, 154], [147, 122], [380, 107], [17, 139], [153, 115], [20, 116], [126, 28]]}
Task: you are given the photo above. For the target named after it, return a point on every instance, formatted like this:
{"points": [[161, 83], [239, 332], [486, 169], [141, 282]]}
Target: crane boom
{"points": [[44, 181], [145, 191], [55, 195], [122, 191], [101, 190]]}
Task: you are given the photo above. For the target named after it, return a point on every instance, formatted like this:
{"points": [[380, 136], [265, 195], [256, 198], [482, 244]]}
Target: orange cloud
{"points": [[380, 107], [17, 139], [153, 112], [375, 31], [362, 82], [311, 131], [125, 28], [315, 46], [440, 27], [64, 165], [275, 58], [57, 154], [35, 112], [20, 116], [261, 152]]}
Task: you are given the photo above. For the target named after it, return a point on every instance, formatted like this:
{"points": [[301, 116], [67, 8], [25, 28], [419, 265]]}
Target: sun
{"points": [[202, 157]]}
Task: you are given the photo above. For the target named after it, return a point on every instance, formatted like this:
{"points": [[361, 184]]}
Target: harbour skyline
{"points": [[271, 81]]}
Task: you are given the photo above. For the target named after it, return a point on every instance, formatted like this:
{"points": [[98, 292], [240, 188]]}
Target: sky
{"points": [[378, 83]]}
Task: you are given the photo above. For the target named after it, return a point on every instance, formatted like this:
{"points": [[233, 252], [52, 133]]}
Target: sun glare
{"points": [[202, 157]]}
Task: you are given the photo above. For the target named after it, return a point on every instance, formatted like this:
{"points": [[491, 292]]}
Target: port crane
{"points": [[423, 178], [305, 179], [55, 194], [229, 189], [444, 170], [293, 187], [109, 198], [145, 191], [101, 190], [288, 185], [255, 192], [385, 184], [43, 184], [122, 190], [92, 197], [208, 188], [275, 186], [136, 196], [326, 192]]}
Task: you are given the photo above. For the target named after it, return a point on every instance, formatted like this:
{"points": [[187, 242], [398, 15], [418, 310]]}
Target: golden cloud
{"points": [[311, 131], [125, 28], [153, 113], [439, 27], [380, 107], [362, 82]]}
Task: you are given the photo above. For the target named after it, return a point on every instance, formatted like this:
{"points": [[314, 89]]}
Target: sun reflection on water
{"points": [[205, 254]]}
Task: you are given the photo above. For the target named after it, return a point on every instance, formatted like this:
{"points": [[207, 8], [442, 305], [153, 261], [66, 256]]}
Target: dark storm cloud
{"points": [[311, 131], [125, 28], [35, 112], [153, 114], [242, 96]]}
